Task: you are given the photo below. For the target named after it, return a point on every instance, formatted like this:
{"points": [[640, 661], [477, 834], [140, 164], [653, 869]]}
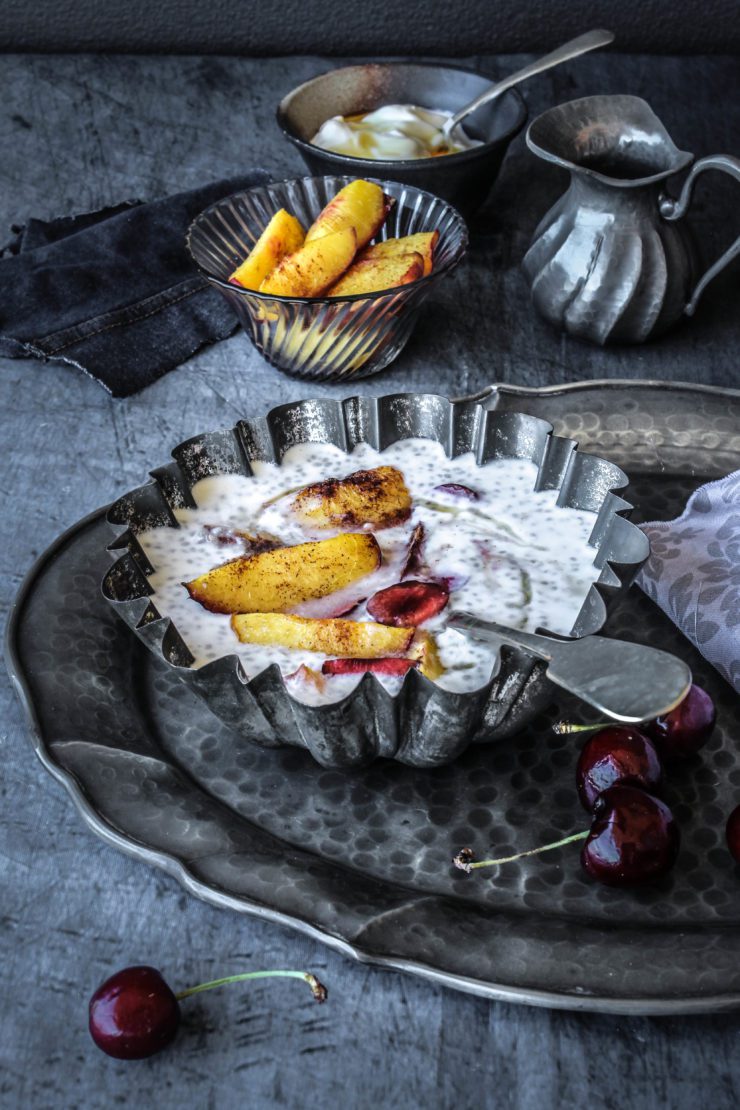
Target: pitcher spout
{"points": [[615, 139]]}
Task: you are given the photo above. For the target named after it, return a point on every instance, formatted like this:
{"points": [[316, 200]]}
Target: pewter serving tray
{"points": [[361, 859]]}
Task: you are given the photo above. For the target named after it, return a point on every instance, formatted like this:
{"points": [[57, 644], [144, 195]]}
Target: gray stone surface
{"points": [[78, 133]]}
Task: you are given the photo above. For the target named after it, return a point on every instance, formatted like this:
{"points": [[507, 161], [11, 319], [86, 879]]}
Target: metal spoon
{"points": [[627, 682], [581, 45]]}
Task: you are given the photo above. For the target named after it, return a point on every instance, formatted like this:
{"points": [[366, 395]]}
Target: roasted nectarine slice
{"points": [[378, 497], [276, 580], [333, 636], [360, 205], [423, 242], [283, 235], [314, 267], [374, 274], [424, 650]]}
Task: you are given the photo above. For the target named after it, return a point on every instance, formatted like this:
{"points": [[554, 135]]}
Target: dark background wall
{"points": [[373, 27]]}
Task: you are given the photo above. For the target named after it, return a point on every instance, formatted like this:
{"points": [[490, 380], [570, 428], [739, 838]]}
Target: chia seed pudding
{"points": [[509, 554]]}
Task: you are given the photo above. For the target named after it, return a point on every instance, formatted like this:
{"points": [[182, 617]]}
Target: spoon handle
{"points": [[625, 681], [572, 49]]}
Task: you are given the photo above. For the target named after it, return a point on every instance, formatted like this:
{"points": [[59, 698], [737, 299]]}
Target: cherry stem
{"points": [[464, 859], [318, 989], [566, 728]]}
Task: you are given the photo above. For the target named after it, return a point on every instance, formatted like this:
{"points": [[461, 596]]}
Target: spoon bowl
{"points": [[625, 681]]}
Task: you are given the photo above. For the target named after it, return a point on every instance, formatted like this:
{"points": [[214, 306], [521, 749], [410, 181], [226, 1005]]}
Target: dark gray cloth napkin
{"points": [[693, 572], [114, 292]]}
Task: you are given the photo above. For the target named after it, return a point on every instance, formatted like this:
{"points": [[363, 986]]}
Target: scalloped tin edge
{"points": [[422, 725]]}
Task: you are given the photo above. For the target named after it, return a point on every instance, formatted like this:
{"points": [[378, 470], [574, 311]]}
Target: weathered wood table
{"points": [[79, 133]]}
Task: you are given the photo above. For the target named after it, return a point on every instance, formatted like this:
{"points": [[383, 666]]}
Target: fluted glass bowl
{"points": [[323, 338]]}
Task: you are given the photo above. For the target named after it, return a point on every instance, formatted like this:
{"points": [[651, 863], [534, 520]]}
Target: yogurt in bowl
{"points": [[394, 132], [489, 512]]}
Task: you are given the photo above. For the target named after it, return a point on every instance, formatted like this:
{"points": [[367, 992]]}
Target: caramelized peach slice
{"points": [[314, 267], [279, 579], [355, 639], [424, 650], [282, 236], [378, 497], [374, 274], [422, 242], [360, 205]]}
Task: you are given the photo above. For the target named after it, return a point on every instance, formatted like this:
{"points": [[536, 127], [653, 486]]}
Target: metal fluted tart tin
{"points": [[423, 725]]}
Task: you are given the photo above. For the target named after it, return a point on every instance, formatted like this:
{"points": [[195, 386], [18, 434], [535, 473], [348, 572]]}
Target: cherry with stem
{"points": [[318, 990], [465, 860], [135, 1013], [616, 756], [633, 839], [677, 735]]}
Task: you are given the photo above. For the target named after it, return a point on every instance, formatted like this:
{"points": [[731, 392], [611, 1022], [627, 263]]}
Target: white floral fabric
{"points": [[693, 572]]}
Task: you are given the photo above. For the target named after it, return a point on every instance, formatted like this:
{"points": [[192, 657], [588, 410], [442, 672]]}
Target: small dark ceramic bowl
{"points": [[463, 179]]}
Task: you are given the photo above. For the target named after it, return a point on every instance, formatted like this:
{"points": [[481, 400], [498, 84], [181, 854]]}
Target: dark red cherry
{"points": [[134, 1014], [633, 838], [387, 665], [408, 604], [686, 729], [616, 756], [733, 833], [412, 561]]}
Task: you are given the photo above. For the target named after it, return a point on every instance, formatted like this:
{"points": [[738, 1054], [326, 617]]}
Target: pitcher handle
{"points": [[672, 209]]}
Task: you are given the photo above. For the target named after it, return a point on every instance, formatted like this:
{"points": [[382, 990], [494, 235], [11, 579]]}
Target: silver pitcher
{"points": [[609, 262]]}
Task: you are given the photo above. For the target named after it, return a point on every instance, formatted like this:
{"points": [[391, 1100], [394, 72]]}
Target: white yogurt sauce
{"points": [[511, 556], [393, 133]]}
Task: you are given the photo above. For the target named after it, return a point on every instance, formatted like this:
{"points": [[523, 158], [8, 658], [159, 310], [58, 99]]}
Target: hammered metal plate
{"points": [[361, 859]]}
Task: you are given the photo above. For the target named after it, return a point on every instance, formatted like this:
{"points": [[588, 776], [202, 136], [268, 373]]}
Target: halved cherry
{"points": [[454, 489], [387, 665], [408, 604], [412, 562]]}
